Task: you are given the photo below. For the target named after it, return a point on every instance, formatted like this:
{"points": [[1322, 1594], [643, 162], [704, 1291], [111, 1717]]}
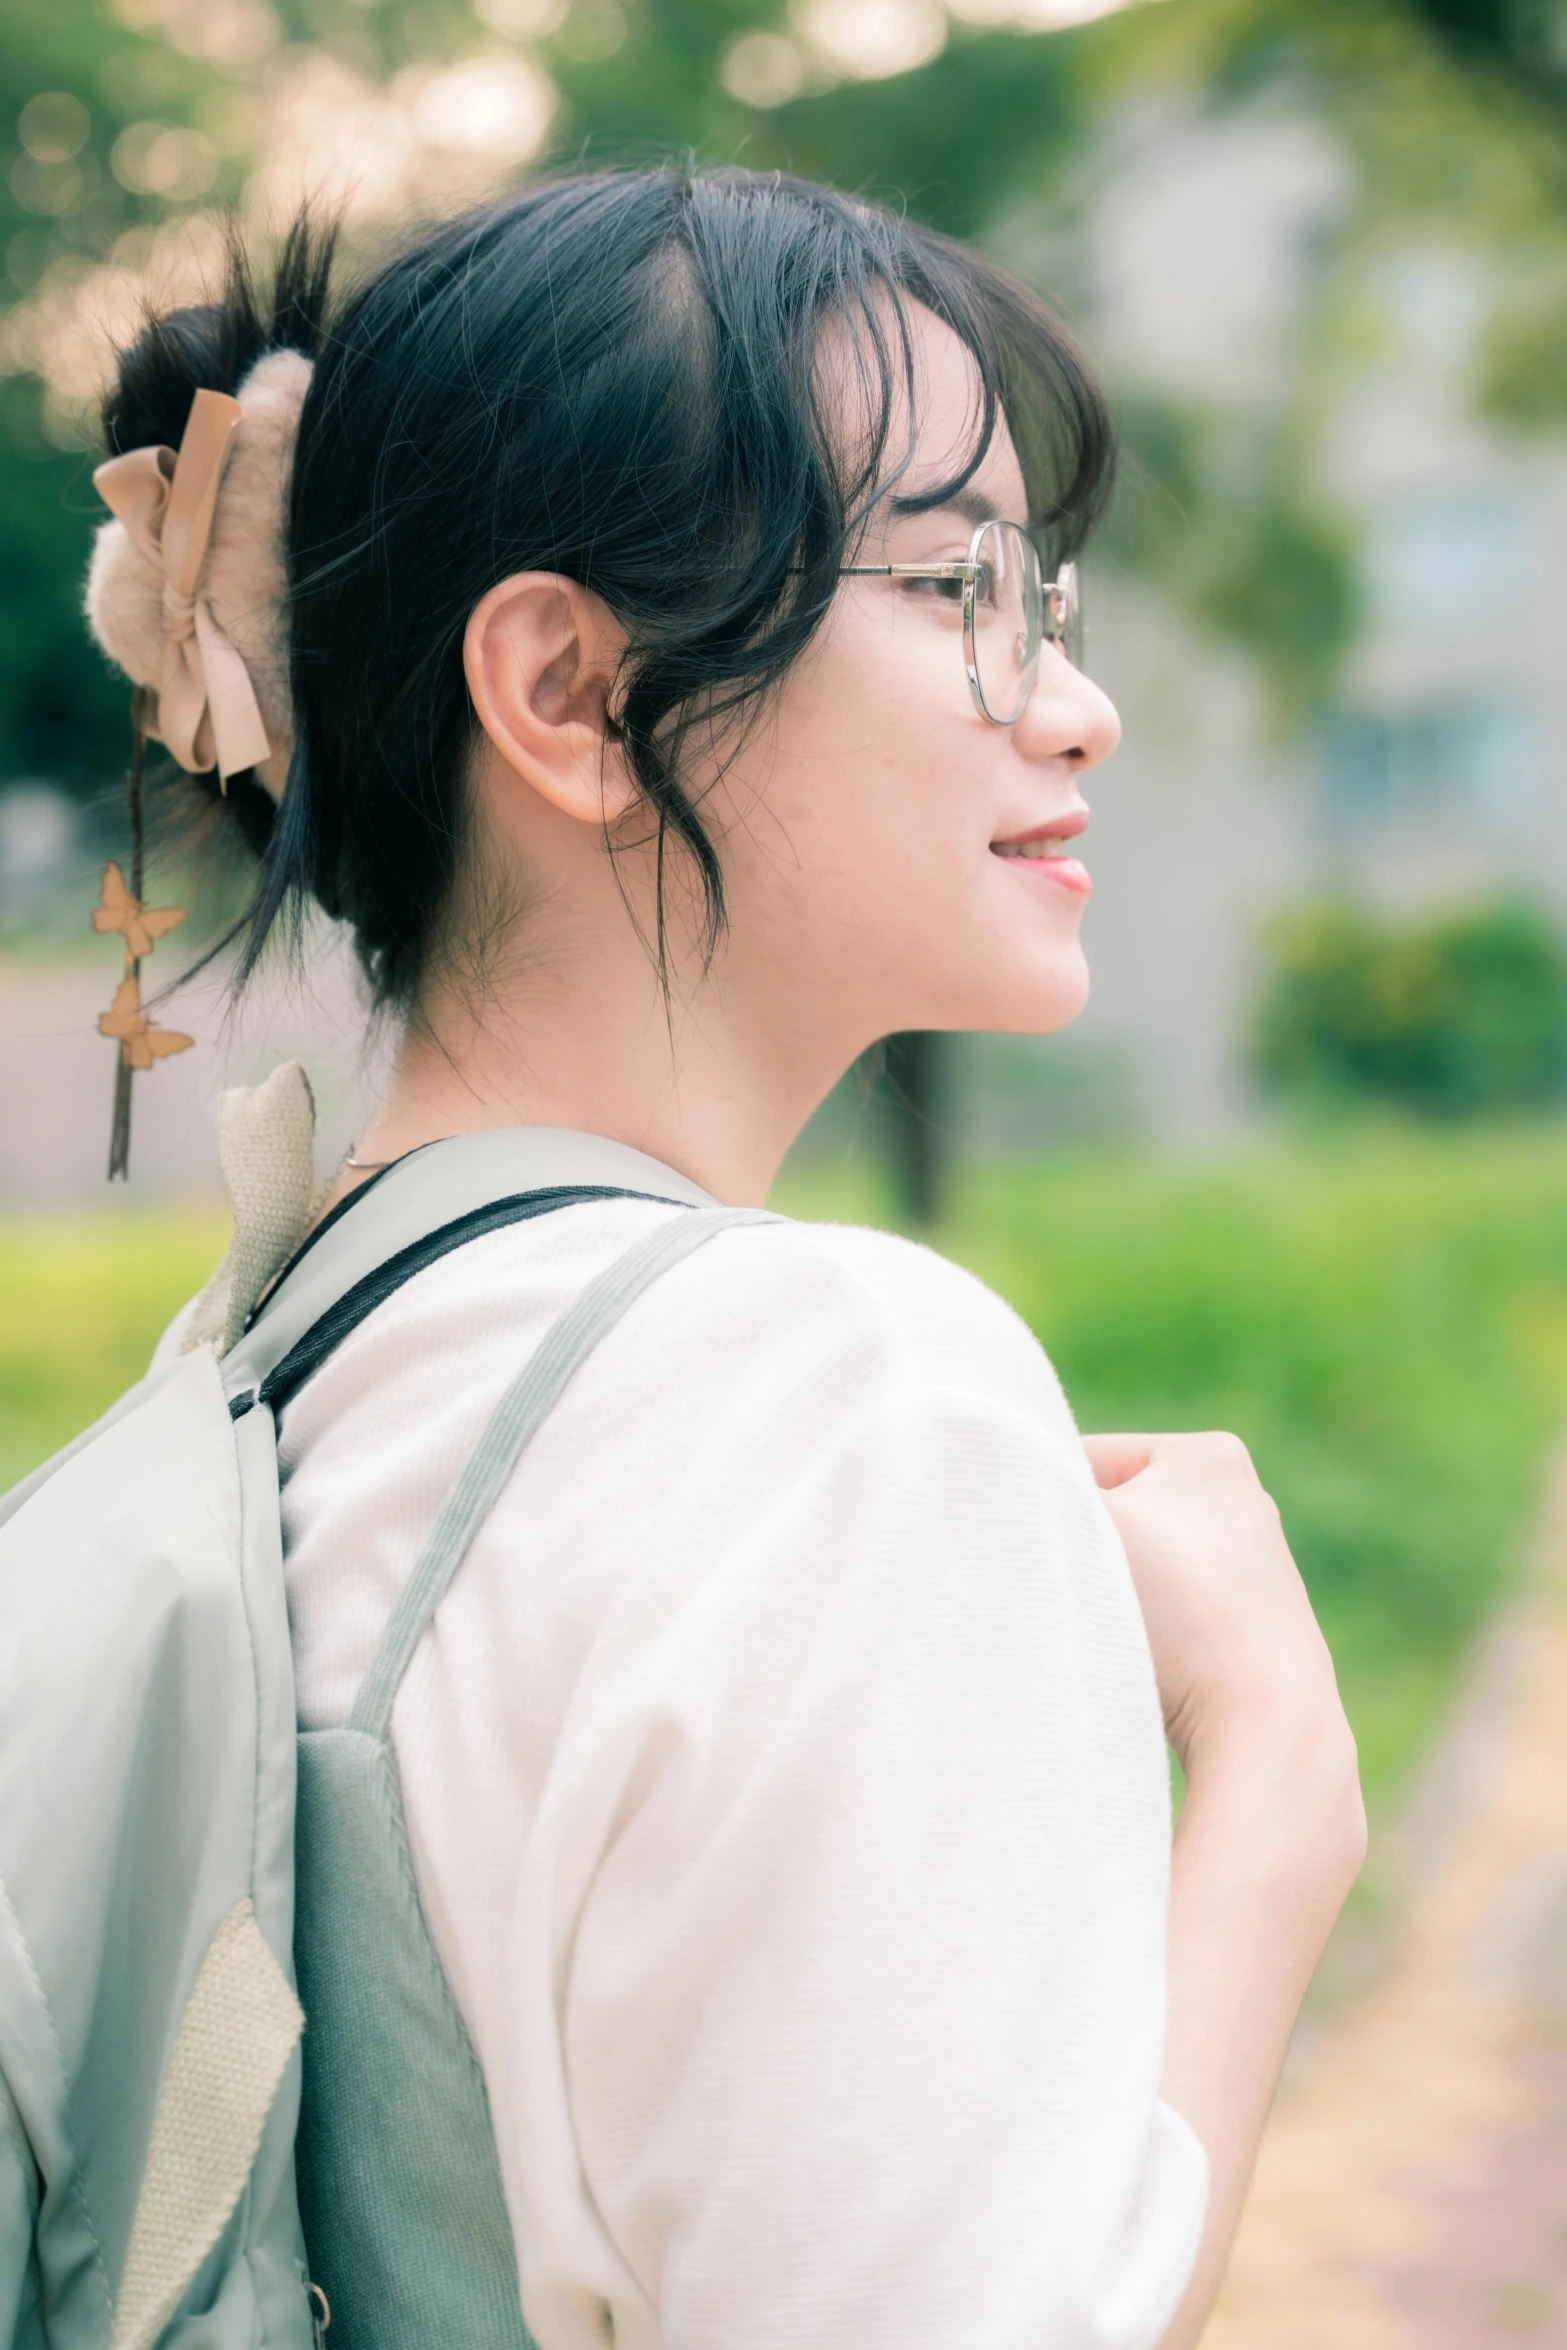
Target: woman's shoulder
{"points": [[893, 1306], [763, 1310]]}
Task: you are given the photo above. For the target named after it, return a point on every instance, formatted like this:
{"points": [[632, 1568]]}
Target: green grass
{"points": [[83, 1300], [1382, 1317]]}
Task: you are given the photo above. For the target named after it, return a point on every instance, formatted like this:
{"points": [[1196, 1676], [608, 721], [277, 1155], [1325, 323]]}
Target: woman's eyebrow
{"points": [[970, 505]]}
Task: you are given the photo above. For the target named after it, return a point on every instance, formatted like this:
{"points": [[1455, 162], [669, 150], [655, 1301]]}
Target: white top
{"points": [[786, 1788]]}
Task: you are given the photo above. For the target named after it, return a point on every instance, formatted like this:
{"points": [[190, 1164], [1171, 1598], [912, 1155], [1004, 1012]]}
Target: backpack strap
{"points": [[515, 1420], [433, 1200], [345, 1314]]}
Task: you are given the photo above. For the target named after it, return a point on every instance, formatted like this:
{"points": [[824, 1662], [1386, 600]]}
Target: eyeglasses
{"points": [[1008, 611]]}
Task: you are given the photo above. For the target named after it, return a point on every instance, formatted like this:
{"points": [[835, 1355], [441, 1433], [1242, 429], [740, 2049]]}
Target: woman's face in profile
{"points": [[881, 839]]}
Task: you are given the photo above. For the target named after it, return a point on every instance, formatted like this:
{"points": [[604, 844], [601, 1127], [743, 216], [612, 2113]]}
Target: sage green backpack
{"points": [[155, 2042]]}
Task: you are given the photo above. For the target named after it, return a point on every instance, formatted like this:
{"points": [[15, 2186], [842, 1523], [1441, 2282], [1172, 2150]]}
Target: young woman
{"points": [[636, 588]]}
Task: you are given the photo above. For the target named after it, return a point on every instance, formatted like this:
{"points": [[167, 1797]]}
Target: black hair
{"points": [[613, 376]]}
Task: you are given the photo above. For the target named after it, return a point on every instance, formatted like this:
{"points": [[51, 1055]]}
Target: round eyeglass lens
{"points": [[1064, 613], [1008, 620]]}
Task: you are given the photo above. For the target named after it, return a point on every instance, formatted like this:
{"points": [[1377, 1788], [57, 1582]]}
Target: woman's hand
{"points": [[1273, 1831], [1236, 1647]]}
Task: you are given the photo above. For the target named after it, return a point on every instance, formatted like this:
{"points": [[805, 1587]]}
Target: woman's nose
{"points": [[1067, 716]]}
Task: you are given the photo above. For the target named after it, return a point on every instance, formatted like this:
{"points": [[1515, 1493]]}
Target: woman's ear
{"points": [[540, 655]]}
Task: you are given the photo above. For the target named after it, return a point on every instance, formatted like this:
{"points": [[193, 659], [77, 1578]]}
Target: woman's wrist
{"points": [[1280, 1786], [1270, 1840]]}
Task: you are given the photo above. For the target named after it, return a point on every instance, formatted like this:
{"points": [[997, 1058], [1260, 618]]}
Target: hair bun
{"points": [[244, 578]]}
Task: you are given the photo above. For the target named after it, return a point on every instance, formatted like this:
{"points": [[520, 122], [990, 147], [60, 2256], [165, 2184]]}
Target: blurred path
{"points": [[1413, 2184]]}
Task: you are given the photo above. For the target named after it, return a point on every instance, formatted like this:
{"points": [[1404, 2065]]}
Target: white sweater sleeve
{"points": [[845, 2016]]}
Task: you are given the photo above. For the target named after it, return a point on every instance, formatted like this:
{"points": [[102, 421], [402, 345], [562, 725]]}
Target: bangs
{"points": [[752, 272], [865, 266], [1031, 375]]}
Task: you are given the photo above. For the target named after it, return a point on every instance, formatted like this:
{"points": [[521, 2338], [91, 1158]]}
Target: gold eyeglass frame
{"points": [[1060, 607]]}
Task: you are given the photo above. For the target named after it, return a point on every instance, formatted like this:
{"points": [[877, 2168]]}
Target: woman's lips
{"points": [[1043, 854]]}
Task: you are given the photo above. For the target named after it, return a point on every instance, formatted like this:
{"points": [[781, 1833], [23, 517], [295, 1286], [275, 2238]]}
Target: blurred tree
{"points": [[1522, 378], [910, 1081], [1454, 1015], [955, 137], [1525, 40], [1453, 114], [71, 84], [1219, 513], [62, 714]]}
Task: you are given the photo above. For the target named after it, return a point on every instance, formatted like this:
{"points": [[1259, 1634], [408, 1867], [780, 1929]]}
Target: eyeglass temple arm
{"points": [[1051, 587], [910, 570]]}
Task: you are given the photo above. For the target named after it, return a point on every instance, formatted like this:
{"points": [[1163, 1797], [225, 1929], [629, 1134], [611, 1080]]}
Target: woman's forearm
{"points": [[1273, 1832], [1271, 1838]]}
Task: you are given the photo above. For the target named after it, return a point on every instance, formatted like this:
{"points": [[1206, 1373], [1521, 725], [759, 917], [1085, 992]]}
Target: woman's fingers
{"points": [[1229, 1623], [1115, 1459]]}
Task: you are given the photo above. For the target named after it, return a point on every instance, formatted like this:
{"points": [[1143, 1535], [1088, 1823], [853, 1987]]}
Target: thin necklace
{"points": [[365, 1166]]}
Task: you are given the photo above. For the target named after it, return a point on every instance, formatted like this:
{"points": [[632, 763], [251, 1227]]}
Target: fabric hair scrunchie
{"points": [[187, 585]]}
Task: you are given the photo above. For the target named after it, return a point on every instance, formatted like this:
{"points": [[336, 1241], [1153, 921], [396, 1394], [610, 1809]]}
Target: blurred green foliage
{"points": [[1459, 1013], [83, 1300], [61, 711], [1220, 516], [1522, 375], [998, 110], [1518, 40], [1382, 1317]]}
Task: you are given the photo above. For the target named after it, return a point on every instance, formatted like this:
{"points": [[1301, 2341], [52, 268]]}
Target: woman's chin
{"points": [[1041, 1000], [1030, 994]]}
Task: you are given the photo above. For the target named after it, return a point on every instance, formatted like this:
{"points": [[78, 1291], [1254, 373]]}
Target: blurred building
{"points": [[1438, 772]]}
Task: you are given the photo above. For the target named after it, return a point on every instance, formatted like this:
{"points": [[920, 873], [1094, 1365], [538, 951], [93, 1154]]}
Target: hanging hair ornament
{"points": [[187, 598], [186, 593], [120, 909]]}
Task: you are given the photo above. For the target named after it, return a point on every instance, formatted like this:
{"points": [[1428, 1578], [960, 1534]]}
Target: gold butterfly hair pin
{"points": [[120, 909]]}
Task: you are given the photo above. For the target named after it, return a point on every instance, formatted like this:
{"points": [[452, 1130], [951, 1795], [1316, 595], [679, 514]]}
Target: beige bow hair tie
{"points": [[207, 713]]}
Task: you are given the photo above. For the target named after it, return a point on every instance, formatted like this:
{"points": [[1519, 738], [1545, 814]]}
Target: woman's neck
{"points": [[690, 1085]]}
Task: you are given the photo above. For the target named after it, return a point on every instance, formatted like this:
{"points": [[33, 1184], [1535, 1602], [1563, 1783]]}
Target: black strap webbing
{"points": [[307, 1354]]}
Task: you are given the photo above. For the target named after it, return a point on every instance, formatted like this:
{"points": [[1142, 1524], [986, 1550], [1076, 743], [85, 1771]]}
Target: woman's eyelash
{"points": [[946, 591]]}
